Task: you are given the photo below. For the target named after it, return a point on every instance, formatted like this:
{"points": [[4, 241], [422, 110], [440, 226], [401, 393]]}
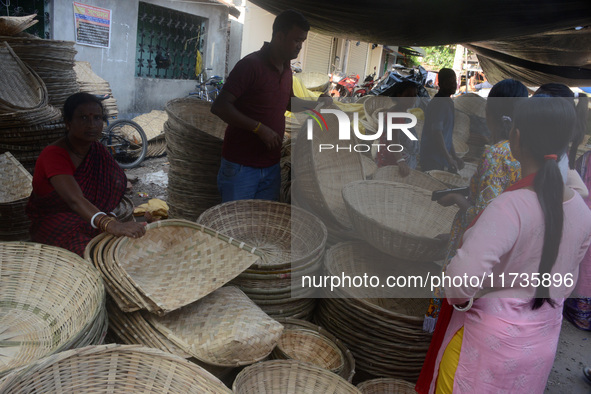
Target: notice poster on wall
{"points": [[93, 25]]}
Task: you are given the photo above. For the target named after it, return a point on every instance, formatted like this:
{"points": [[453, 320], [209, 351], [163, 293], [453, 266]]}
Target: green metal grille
{"points": [[167, 42]]}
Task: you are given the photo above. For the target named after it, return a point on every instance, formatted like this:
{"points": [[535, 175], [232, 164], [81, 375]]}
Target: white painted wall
{"points": [[117, 63], [258, 28]]}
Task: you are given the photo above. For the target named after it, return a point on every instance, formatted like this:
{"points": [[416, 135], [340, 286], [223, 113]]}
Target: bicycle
{"points": [[208, 89], [125, 140]]}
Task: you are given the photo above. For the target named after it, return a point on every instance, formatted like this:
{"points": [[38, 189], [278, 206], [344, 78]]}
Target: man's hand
{"points": [[271, 139], [324, 100], [453, 165], [403, 169], [459, 163]]}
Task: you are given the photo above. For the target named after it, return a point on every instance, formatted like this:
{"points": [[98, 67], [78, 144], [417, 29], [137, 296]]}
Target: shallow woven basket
{"points": [[224, 328], [314, 81], [321, 176], [461, 148], [289, 377], [398, 219], [461, 129], [451, 180], [415, 178], [309, 346], [12, 25], [113, 369], [348, 370], [386, 386], [178, 262], [288, 236], [468, 171], [51, 298]]}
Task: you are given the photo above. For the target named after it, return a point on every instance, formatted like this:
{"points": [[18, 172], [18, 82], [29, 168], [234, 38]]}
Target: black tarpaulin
{"points": [[559, 56], [435, 22]]}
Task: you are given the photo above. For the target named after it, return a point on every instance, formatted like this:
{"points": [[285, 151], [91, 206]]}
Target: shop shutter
{"points": [[357, 59], [318, 53]]}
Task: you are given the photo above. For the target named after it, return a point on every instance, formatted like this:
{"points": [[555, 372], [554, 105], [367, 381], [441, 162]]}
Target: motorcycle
{"points": [[346, 86], [366, 86]]}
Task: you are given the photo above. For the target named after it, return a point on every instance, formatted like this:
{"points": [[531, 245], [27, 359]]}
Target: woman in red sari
{"points": [[76, 183]]}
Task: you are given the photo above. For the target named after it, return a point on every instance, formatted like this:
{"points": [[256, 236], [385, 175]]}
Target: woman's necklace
{"points": [[71, 148]]}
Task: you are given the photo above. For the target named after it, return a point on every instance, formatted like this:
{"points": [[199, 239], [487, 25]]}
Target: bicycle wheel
{"points": [[126, 141]]}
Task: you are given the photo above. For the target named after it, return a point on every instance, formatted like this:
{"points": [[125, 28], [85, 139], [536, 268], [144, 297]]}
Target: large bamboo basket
{"points": [[399, 219], [314, 81], [117, 369], [451, 180], [289, 377], [51, 301], [348, 370], [321, 176], [386, 386]]}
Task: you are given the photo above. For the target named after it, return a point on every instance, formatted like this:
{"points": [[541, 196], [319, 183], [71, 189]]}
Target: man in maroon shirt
{"points": [[253, 102]]}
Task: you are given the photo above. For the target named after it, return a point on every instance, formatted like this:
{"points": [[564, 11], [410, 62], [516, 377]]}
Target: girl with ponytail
{"points": [[527, 246]]}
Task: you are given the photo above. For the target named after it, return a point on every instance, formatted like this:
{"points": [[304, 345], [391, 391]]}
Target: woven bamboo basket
{"points": [[224, 328], [461, 129], [51, 299], [451, 180], [322, 175], [178, 262], [12, 25], [348, 370], [22, 89], [415, 178], [398, 219], [461, 148], [311, 347], [288, 236], [289, 377], [386, 386], [314, 81], [468, 171], [113, 369], [471, 104], [194, 138]]}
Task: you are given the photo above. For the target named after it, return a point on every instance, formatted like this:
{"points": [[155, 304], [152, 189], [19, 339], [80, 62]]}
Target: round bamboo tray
{"points": [[386, 386], [113, 369], [311, 347], [289, 377], [451, 180], [398, 219], [224, 328], [51, 301], [369, 167], [415, 178]]}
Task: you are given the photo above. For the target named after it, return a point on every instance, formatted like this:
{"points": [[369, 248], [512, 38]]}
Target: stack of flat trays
{"points": [[90, 82], [383, 330]]}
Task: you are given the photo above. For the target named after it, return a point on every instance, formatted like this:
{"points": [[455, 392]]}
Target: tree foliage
{"points": [[439, 57]]}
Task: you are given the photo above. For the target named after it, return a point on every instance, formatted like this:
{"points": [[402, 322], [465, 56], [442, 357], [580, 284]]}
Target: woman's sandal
{"points": [[587, 373]]}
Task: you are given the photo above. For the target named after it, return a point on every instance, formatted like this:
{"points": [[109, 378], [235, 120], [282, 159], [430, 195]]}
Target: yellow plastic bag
{"points": [[157, 208]]}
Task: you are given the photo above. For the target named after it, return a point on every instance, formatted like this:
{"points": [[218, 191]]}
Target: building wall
{"points": [[117, 63], [258, 28]]}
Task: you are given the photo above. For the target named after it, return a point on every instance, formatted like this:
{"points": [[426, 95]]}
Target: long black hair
{"points": [[582, 107], [500, 105], [545, 126]]}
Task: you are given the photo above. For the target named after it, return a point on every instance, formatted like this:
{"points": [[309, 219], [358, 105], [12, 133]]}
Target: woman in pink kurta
{"points": [[509, 344]]}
